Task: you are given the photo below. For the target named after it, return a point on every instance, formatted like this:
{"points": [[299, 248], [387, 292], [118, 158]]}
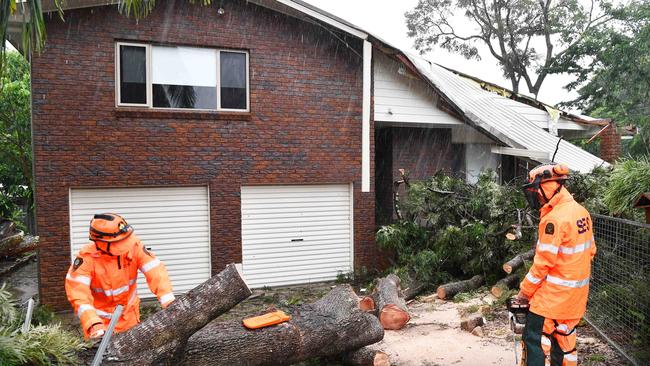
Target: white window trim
{"points": [[248, 93], [118, 75], [149, 104]]}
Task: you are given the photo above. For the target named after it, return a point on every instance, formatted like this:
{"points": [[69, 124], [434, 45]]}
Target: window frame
{"points": [[118, 75], [248, 89], [149, 86]]}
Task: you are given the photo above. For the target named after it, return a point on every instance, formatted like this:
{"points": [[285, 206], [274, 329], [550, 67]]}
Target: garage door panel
{"points": [[295, 234], [172, 221]]}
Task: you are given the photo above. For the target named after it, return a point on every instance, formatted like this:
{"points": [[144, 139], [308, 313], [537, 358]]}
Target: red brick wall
{"points": [[610, 144], [304, 126]]}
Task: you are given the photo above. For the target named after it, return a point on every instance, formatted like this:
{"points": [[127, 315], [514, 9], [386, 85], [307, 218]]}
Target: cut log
{"points": [[472, 321], [509, 282], [158, 338], [392, 310], [331, 326], [518, 261], [366, 356], [367, 303], [452, 289], [9, 243]]}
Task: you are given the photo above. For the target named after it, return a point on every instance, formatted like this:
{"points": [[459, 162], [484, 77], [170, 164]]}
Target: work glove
{"points": [[97, 331], [522, 297], [165, 305]]}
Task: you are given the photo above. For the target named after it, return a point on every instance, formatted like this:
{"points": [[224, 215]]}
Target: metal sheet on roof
{"points": [[496, 115]]}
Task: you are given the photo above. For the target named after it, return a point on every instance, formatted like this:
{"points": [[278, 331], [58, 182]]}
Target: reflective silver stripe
{"points": [[567, 283], [533, 279], [167, 298], [149, 266], [571, 357], [546, 341], [563, 328], [576, 249], [547, 248], [104, 314], [117, 291], [81, 279], [82, 308]]}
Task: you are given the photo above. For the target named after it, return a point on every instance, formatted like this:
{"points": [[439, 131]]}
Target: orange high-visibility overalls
{"points": [[558, 282], [97, 282]]}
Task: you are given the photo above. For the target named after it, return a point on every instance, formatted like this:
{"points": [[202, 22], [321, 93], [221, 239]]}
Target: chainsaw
{"points": [[517, 312]]}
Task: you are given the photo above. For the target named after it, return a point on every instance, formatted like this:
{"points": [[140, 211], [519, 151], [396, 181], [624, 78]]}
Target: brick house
{"points": [[264, 133]]}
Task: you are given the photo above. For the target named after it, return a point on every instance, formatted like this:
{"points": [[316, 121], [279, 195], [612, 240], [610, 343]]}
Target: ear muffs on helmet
{"points": [[109, 228]]}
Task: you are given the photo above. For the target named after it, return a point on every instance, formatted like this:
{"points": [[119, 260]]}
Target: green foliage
{"points": [[455, 229], [615, 83], [589, 189], [629, 179], [15, 137], [43, 344]]}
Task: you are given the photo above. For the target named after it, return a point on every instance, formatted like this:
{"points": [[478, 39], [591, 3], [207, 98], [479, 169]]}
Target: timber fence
{"points": [[619, 296]]}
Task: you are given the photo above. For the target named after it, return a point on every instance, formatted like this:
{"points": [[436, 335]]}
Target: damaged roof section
{"points": [[495, 114]]}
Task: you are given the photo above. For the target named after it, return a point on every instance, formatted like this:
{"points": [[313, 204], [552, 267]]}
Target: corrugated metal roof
{"points": [[496, 115]]}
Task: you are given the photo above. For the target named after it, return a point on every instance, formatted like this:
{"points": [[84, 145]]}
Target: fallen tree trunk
{"points": [[450, 290], [366, 356], [28, 244], [504, 284], [331, 326], [518, 261], [158, 339], [9, 243], [413, 289], [391, 307]]}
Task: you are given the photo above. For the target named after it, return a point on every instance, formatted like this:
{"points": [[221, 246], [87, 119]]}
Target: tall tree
{"points": [[15, 134], [615, 82], [526, 37]]}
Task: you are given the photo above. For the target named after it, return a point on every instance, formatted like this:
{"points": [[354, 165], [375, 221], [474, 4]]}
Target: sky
{"points": [[385, 19]]}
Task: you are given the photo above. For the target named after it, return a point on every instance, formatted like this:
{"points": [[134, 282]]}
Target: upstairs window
{"points": [[133, 75], [182, 77]]}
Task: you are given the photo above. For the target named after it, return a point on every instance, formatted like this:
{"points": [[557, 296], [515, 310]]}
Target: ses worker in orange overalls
{"points": [[104, 275], [557, 284]]}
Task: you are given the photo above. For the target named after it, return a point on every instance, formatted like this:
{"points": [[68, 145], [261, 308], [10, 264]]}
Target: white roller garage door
{"points": [[295, 234], [173, 221]]}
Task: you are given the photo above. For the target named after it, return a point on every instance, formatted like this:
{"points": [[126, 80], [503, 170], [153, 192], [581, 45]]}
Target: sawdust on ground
{"points": [[433, 338]]}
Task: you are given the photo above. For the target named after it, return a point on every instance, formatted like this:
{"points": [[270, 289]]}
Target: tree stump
{"points": [[451, 289], [518, 261]]}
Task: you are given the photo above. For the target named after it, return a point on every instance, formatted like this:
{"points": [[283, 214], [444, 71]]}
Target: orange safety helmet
{"points": [[108, 228], [543, 174]]}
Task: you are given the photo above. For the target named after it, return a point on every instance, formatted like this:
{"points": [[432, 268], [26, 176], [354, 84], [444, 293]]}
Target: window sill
{"points": [[127, 112]]}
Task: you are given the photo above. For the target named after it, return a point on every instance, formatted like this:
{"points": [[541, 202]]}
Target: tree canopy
{"points": [[526, 37], [15, 133], [615, 82]]}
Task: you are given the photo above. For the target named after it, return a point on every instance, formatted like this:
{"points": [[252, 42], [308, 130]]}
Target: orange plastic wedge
{"points": [[266, 320]]}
